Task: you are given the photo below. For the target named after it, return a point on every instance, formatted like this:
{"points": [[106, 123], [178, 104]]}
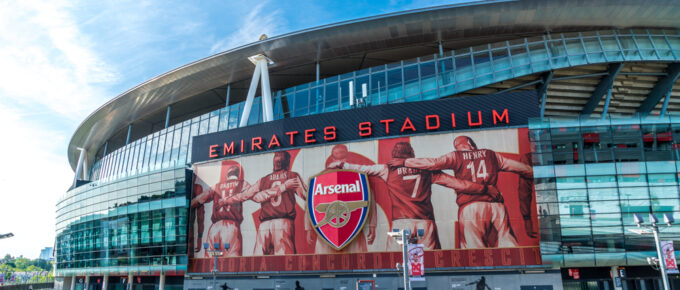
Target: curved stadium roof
{"points": [[366, 42]]}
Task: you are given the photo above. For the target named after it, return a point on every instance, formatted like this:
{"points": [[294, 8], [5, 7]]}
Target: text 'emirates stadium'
{"points": [[494, 144]]}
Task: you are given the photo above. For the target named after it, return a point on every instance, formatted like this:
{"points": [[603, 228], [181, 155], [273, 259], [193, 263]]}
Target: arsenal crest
{"points": [[337, 204]]}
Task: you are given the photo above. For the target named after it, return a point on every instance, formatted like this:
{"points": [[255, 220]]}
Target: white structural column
{"points": [[261, 62], [161, 282], [87, 282], [105, 282], [74, 280], [267, 108], [251, 95], [84, 171], [131, 281], [615, 274], [79, 167]]}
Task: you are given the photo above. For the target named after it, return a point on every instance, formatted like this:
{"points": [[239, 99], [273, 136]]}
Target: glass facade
{"points": [[593, 175], [135, 224]]}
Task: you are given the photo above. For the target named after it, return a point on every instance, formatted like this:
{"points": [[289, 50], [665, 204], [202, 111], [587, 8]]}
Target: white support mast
{"points": [[261, 63]]}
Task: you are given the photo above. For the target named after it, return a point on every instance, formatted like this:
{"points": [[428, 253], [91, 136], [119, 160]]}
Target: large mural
{"points": [[470, 194]]}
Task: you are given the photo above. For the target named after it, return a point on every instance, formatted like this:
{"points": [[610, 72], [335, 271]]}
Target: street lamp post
{"points": [[215, 252], [403, 238], [654, 229]]}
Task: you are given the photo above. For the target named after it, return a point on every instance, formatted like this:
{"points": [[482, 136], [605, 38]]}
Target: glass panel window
{"points": [[427, 73], [224, 119], [575, 209], [378, 92], [608, 206], [603, 194], [411, 81], [629, 180], [601, 181], [638, 205], [394, 82], [167, 150], [572, 195], [174, 153], [234, 113], [666, 205], [663, 191], [331, 100], [658, 142], [184, 146], [301, 103], [214, 122], [154, 153], [256, 112], [570, 182]]}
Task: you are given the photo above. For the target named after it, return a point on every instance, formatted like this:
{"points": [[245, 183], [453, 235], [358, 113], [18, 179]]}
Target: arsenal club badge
{"points": [[338, 203]]}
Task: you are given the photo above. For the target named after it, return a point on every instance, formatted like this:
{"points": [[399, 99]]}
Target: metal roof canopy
{"points": [[365, 42]]}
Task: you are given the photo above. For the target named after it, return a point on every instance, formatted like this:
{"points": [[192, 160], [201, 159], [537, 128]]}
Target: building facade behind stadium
{"points": [[555, 121]]}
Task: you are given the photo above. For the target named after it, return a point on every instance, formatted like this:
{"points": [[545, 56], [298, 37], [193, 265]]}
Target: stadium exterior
{"points": [[589, 97]]}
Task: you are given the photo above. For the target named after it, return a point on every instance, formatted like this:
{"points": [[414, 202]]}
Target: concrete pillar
{"points": [[131, 280], [615, 274], [161, 283], [87, 282], [105, 282], [74, 280], [68, 281]]}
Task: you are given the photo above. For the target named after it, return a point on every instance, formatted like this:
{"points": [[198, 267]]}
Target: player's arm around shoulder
{"points": [[202, 198], [438, 163], [510, 165], [371, 170], [456, 184], [247, 192]]}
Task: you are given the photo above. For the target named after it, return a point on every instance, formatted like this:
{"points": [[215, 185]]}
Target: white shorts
{"points": [[480, 221], [430, 240], [275, 237], [226, 231]]}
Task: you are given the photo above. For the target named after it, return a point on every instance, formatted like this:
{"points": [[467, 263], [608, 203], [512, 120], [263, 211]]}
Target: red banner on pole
{"points": [[669, 257]]}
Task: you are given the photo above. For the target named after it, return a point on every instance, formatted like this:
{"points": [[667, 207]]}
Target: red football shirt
{"points": [[231, 211], [282, 205], [479, 166]]}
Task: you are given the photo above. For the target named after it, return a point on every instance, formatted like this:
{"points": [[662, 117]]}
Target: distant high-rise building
{"points": [[47, 254]]}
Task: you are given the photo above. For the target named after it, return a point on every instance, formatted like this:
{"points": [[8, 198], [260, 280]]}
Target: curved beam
{"points": [[602, 88], [662, 87]]}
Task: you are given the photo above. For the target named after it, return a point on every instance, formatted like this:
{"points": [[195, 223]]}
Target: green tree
{"points": [[22, 264]]}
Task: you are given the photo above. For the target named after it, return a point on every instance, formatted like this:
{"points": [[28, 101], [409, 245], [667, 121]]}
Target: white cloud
{"points": [[44, 60], [33, 177], [50, 78], [260, 20]]}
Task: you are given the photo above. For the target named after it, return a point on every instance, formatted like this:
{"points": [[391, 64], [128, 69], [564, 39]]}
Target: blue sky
{"points": [[60, 60]]}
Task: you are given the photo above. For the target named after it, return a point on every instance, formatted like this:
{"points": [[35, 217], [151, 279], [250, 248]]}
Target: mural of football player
{"points": [[276, 194], [410, 192], [226, 217], [363, 238], [478, 215], [525, 190], [197, 215]]}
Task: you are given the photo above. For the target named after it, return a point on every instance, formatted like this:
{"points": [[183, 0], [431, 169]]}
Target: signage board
{"points": [[319, 193], [390, 120]]}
